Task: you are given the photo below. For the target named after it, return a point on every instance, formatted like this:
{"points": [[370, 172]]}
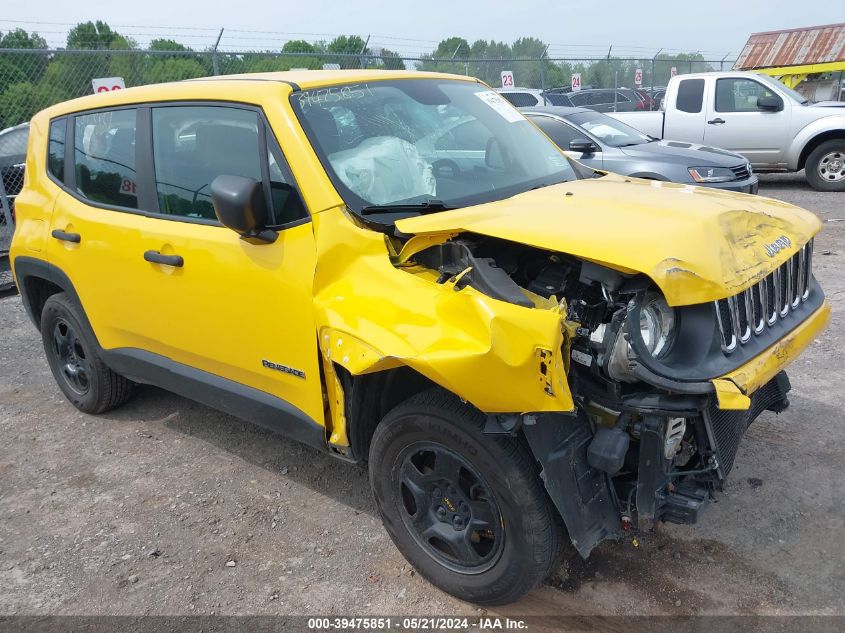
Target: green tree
{"points": [[347, 48], [391, 60], [452, 48], [174, 69], [91, 35], [22, 66], [20, 101], [298, 46], [165, 45]]}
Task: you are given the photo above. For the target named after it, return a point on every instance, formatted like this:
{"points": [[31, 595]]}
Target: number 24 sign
{"points": [[507, 79]]}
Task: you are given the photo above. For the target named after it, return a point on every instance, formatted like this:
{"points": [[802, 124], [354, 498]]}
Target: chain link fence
{"points": [[12, 155], [31, 80]]}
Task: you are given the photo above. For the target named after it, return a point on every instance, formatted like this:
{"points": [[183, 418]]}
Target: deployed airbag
{"points": [[384, 169]]}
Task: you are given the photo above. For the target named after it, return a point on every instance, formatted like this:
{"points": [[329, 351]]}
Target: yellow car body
{"points": [[332, 300]]}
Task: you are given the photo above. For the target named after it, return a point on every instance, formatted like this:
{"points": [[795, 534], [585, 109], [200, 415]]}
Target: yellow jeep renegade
{"points": [[398, 269]]}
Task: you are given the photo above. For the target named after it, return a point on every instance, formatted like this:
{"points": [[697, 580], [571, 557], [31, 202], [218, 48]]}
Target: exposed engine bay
{"points": [[651, 448]]}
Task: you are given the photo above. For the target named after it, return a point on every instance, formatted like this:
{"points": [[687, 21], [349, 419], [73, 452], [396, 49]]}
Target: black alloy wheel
{"points": [[448, 508]]}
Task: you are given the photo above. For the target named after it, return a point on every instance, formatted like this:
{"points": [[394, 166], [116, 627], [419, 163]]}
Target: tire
{"points": [[495, 482], [817, 169], [74, 358]]}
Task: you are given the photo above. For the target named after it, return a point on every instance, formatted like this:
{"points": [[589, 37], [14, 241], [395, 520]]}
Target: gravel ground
{"points": [[168, 507]]}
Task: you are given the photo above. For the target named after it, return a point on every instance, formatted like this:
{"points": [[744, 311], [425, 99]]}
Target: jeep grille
{"points": [[752, 311]]}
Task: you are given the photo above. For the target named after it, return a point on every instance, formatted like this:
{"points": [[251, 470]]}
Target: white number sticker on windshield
{"points": [[508, 112]]}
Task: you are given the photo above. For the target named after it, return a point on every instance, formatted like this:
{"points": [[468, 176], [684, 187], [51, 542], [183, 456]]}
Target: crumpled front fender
{"points": [[373, 316]]}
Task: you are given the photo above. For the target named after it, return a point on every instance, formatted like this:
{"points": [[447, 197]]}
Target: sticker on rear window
{"points": [[501, 106]]}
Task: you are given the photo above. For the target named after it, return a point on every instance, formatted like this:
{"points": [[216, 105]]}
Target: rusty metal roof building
{"points": [[794, 47]]}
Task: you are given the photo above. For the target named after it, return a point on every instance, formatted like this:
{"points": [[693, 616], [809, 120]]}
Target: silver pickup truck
{"points": [[773, 126]]}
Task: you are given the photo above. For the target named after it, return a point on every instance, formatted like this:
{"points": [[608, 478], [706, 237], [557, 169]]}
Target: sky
{"points": [[583, 28]]}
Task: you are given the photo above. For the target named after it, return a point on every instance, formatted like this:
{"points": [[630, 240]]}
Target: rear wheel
{"points": [[73, 356], [825, 167], [468, 510]]}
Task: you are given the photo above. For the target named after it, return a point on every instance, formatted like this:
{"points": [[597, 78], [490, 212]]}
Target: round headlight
{"points": [[657, 325]]}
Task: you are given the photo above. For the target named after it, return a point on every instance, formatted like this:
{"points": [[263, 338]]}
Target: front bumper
{"points": [[733, 389], [747, 185]]}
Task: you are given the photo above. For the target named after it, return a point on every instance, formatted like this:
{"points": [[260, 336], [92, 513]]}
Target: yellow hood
{"points": [[697, 244]]}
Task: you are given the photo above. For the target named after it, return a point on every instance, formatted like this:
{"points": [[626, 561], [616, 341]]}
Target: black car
{"points": [[608, 100], [529, 97], [13, 143]]}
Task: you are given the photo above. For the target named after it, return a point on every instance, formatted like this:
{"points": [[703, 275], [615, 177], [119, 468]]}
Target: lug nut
{"points": [[458, 522], [441, 512]]}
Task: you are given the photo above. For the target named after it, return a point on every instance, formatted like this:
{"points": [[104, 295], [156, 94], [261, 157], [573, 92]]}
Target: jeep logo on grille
{"points": [[778, 245]]}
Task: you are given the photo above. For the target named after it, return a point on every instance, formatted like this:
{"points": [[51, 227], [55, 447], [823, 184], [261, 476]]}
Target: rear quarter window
{"points": [[56, 149]]}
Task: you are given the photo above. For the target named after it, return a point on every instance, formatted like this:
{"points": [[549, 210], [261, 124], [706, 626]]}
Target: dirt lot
{"points": [[167, 507]]}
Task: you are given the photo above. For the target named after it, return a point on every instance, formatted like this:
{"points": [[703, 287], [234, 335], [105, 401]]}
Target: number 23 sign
{"points": [[507, 79]]}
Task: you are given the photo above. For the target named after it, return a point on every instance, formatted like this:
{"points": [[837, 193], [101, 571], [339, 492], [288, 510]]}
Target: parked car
{"points": [[602, 142], [648, 101], [12, 156], [773, 126], [512, 347], [13, 143], [608, 100], [525, 97]]}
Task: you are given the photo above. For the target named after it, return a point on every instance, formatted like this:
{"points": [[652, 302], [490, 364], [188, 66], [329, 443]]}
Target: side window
{"points": [[56, 149], [621, 97], [468, 136], [558, 99], [739, 95], [559, 132], [287, 205], [579, 98], [104, 157], [520, 99], [690, 95], [192, 145]]}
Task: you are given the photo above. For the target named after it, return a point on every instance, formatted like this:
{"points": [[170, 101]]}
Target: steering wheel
{"points": [[445, 168]]}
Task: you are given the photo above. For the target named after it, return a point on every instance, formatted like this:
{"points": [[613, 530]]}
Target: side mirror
{"points": [[240, 204], [770, 103], [583, 146]]}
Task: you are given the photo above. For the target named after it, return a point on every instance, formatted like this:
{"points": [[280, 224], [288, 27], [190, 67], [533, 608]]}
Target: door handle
{"points": [[715, 121], [75, 238], [154, 257]]}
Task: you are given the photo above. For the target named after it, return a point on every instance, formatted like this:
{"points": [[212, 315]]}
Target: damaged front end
{"points": [[655, 425]]}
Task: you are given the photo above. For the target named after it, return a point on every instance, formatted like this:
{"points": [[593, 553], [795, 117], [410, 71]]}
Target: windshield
{"points": [[608, 130], [412, 141], [784, 89]]}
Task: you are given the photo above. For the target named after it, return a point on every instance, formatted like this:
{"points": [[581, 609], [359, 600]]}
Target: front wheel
{"points": [[825, 167], [467, 510]]}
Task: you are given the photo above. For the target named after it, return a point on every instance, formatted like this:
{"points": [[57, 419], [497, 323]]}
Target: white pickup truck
{"points": [[773, 126]]}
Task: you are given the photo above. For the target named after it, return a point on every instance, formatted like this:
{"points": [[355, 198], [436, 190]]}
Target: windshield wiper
{"points": [[427, 206]]}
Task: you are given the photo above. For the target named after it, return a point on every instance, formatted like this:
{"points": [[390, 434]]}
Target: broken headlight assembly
{"points": [[657, 325], [656, 331]]}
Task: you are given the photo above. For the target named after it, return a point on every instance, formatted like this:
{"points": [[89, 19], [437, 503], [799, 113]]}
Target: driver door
{"points": [[208, 299]]}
